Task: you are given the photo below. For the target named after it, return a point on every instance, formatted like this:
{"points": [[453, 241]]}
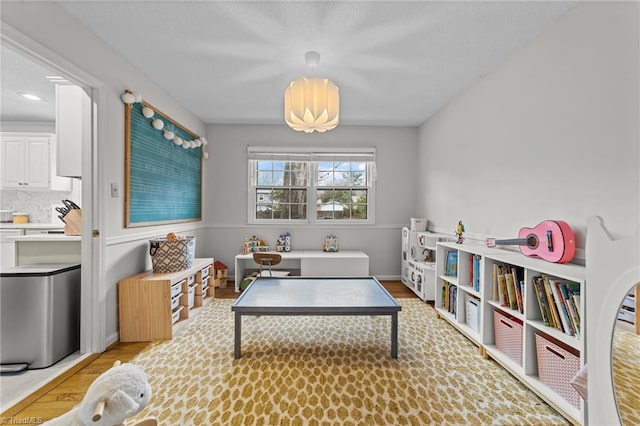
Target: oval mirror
{"points": [[626, 359]]}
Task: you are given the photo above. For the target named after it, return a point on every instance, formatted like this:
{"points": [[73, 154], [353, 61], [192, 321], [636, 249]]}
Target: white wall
{"points": [[551, 134], [226, 177]]}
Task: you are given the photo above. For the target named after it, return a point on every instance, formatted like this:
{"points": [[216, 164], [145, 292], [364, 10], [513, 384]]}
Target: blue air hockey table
{"points": [[315, 296]]}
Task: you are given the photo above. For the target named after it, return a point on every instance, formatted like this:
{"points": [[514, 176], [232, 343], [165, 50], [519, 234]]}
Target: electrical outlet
{"points": [[115, 193]]}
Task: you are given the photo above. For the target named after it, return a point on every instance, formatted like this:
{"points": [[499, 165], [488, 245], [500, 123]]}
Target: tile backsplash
{"points": [[38, 203]]}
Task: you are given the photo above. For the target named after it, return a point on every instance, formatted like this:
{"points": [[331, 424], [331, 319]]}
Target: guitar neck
{"points": [[512, 242]]}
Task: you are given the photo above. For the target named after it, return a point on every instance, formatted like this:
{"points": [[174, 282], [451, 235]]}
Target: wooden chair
{"points": [[266, 259]]}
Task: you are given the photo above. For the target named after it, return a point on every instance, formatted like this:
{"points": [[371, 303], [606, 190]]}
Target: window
{"points": [[281, 190], [311, 186]]}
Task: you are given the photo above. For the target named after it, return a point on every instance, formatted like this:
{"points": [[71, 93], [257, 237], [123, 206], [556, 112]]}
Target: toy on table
{"points": [[117, 394], [254, 244], [330, 243], [459, 232], [284, 243]]}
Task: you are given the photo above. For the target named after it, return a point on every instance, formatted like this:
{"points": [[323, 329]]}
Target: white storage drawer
{"points": [[176, 289], [192, 297], [206, 272], [175, 316], [627, 315], [175, 302]]}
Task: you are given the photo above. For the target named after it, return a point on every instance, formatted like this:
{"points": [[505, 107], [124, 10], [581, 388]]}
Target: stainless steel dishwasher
{"points": [[39, 315]]}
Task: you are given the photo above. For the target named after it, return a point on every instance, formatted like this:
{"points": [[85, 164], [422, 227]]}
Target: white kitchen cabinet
{"points": [[7, 247], [73, 126], [28, 162]]}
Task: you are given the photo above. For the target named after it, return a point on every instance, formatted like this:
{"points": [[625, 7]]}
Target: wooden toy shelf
{"points": [[152, 306]]}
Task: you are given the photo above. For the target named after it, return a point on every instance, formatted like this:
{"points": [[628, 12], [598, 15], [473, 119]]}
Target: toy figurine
{"points": [[459, 232], [284, 243], [330, 243]]}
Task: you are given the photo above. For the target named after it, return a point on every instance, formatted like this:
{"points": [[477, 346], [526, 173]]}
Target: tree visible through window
{"points": [[281, 191], [311, 187], [342, 190]]}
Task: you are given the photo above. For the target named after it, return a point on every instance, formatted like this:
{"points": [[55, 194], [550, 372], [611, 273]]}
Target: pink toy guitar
{"points": [[551, 240]]}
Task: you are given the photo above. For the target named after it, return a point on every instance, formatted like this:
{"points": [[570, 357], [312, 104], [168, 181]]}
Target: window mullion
{"points": [[312, 185]]}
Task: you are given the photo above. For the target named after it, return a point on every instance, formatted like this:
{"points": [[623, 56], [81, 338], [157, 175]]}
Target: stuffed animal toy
{"points": [[117, 394]]}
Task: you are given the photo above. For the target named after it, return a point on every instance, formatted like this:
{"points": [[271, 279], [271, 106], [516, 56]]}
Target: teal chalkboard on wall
{"points": [[163, 179]]}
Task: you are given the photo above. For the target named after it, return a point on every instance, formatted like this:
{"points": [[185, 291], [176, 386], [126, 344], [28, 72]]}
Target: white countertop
{"points": [[58, 225], [45, 237], [38, 269]]}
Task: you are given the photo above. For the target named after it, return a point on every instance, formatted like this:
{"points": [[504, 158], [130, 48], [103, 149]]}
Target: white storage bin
{"points": [[175, 302], [206, 271], [175, 316], [418, 224], [176, 289], [192, 296], [473, 313]]}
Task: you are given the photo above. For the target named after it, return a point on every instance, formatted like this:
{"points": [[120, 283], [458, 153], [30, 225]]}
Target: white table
{"points": [[311, 263]]}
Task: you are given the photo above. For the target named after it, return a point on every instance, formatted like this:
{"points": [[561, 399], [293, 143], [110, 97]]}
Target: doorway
{"points": [[19, 48]]}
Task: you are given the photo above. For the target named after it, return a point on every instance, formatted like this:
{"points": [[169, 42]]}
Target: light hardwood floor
{"points": [[66, 391]]}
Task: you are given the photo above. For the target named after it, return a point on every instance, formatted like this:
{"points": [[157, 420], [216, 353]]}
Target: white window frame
{"points": [[312, 156]]}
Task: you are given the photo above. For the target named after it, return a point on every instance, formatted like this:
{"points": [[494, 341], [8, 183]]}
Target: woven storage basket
{"points": [[172, 255], [508, 332], [556, 367]]}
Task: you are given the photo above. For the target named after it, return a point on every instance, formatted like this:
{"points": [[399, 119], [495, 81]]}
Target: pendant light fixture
{"points": [[312, 104]]}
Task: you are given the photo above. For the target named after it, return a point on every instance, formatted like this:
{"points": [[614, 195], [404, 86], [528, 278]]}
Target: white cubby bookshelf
{"points": [[530, 317]]}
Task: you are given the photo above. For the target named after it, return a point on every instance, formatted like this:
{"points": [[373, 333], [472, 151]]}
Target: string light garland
{"points": [[129, 98]]}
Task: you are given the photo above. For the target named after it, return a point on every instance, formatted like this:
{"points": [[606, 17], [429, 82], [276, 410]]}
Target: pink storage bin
{"points": [[508, 332], [556, 367]]}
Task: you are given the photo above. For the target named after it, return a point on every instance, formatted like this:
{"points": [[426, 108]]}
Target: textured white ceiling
{"points": [[396, 63], [19, 74]]}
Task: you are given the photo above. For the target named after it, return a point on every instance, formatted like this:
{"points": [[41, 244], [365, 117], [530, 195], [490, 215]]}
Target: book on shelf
{"points": [[475, 279], [502, 286], [572, 310], [557, 302], [449, 295], [519, 288], [553, 309], [452, 263], [562, 309], [511, 289], [541, 296], [453, 299], [496, 290], [575, 298]]}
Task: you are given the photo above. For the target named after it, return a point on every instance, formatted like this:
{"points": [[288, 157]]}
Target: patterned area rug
{"points": [[626, 375], [332, 370]]}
